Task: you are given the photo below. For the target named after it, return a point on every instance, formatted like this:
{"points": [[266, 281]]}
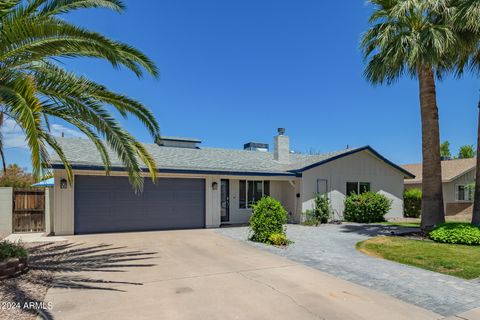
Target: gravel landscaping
{"points": [[331, 248], [22, 296]]}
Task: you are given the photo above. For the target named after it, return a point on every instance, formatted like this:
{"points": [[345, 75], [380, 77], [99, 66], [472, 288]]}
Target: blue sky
{"points": [[233, 71]]}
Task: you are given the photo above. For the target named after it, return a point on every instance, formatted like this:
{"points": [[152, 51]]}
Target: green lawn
{"points": [[402, 224], [413, 223], [455, 260]]}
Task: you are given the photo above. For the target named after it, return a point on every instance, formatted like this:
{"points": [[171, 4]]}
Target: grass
{"points": [[413, 223], [402, 224], [455, 260]]}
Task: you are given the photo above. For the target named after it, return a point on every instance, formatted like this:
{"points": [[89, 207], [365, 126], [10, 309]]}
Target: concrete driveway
{"points": [[201, 274]]}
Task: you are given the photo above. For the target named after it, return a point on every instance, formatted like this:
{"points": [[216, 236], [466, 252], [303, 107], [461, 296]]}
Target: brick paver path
{"points": [[331, 248]]}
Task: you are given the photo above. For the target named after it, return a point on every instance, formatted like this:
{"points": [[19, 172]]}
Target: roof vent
{"points": [[256, 146], [177, 142]]}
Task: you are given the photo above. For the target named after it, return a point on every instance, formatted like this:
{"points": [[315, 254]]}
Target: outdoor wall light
{"points": [[63, 184], [214, 185]]}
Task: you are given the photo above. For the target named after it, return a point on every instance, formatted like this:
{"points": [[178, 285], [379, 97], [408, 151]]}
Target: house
{"points": [[207, 187], [458, 177]]}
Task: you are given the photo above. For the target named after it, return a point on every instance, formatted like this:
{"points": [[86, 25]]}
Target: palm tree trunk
{"points": [[2, 155], [432, 197], [476, 196]]}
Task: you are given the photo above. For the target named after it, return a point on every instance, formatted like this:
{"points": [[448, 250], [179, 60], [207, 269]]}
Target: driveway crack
{"points": [[284, 294]]}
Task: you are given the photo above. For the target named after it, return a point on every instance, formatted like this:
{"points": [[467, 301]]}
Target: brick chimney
{"points": [[282, 147]]}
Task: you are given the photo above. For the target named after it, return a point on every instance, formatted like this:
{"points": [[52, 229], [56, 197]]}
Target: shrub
{"points": [[278, 239], [309, 218], [322, 208], [456, 233], [10, 250], [268, 218], [366, 207], [412, 203]]}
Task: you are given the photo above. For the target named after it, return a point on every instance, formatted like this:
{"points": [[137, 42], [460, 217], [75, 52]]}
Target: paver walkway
{"points": [[331, 248]]}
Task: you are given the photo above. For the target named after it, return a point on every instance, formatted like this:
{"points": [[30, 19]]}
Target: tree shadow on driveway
{"points": [[63, 265], [373, 230]]}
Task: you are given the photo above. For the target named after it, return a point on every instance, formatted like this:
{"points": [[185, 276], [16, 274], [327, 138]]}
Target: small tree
{"points": [[445, 150], [466, 152], [16, 177]]}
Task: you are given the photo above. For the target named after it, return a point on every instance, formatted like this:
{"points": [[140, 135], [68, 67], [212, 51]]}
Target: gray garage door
{"points": [[108, 204]]}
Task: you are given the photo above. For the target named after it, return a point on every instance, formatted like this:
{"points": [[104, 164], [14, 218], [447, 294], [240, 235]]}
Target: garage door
{"points": [[108, 204]]}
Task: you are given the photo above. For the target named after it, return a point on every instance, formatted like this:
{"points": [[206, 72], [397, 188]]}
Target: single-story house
{"points": [[458, 178], [207, 187]]}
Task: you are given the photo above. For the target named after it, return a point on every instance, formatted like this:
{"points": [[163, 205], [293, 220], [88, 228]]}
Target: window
{"points": [[252, 191], [322, 186], [357, 187], [464, 192]]}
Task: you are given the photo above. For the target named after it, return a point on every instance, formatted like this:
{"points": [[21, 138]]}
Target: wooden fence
{"points": [[28, 210]]}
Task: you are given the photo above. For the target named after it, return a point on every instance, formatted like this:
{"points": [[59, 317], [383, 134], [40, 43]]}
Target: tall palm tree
{"points": [[415, 38], [34, 87], [467, 20]]}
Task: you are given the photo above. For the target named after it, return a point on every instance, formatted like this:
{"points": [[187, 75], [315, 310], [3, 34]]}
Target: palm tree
{"points": [[416, 38], [34, 87], [467, 19], [476, 195]]}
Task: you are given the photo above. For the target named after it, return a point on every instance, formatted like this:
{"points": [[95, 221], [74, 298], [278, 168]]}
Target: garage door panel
{"points": [[108, 204]]}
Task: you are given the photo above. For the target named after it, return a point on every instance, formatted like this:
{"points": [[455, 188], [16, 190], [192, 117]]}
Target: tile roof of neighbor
{"points": [[451, 169], [82, 153]]}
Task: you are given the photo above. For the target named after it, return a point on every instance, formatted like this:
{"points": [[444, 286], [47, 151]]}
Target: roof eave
{"points": [[86, 167]]}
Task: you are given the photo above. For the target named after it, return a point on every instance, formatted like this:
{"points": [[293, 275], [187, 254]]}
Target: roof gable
{"points": [[353, 151], [451, 169]]}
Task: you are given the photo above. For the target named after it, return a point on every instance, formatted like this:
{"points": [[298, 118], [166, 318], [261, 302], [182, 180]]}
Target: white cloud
{"points": [[13, 136]]}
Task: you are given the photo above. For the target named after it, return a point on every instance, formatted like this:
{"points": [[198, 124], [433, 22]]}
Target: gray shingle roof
{"points": [[82, 153]]}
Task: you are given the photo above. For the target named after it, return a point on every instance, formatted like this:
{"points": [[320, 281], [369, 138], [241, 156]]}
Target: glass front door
{"points": [[225, 200]]}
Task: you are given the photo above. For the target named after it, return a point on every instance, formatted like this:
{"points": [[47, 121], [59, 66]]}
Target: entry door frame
{"points": [[225, 200]]}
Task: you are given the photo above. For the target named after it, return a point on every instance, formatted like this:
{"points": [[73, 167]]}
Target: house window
{"points": [[252, 191], [464, 192], [357, 187]]}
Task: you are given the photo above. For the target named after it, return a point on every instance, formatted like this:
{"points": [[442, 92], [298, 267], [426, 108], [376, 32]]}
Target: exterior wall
{"points": [[358, 167], [6, 211], [49, 205], [280, 190], [452, 206], [63, 199], [63, 205]]}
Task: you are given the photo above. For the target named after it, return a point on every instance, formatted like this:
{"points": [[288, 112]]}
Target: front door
{"points": [[225, 200]]}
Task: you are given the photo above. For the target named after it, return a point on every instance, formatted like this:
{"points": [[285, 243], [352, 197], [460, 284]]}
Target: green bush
{"points": [[278, 239], [456, 233], [310, 218], [268, 218], [412, 203], [10, 250], [366, 207], [322, 208]]}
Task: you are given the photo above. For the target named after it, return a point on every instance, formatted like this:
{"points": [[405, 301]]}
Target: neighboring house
{"points": [[208, 187], [458, 177]]}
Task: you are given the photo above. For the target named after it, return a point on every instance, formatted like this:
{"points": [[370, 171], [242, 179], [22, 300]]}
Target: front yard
{"points": [[456, 260]]}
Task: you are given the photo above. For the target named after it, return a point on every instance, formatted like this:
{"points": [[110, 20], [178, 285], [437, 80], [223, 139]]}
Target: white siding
{"points": [[6, 211], [449, 188], [280, 190], [63, 205], [361, 167]]}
